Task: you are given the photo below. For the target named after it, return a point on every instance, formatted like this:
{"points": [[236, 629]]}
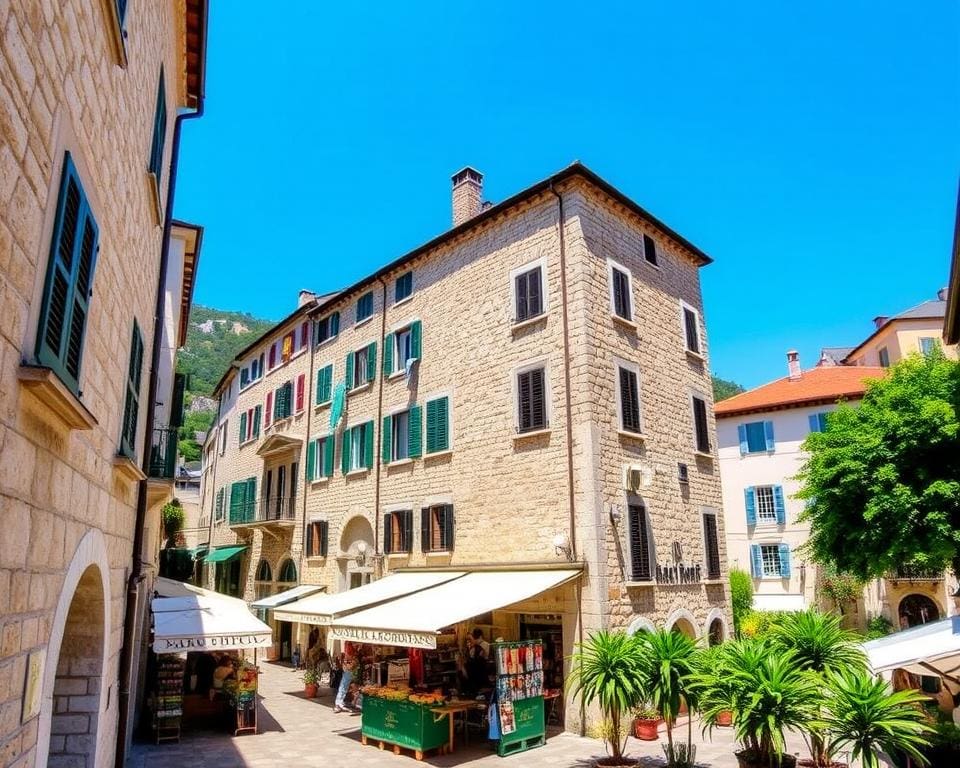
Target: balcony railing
{"points": [[163, 453], [275, 509], [914, 573]]}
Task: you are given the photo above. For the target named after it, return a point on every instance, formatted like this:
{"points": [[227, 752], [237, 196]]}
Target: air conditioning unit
{"points": [[637, 477]]}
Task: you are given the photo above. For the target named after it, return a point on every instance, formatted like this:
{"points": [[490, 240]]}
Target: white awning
{"points": [[322, 609], [779, 603], [195, 619], [416, 619], [930, 648], [287, 596]]}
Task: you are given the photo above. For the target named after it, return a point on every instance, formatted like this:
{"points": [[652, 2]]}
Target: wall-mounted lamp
{"points": [[616, 513], [362, 553], [561, 545]]}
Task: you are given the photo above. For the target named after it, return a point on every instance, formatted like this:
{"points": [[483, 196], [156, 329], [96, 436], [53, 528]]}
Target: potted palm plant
{"points": [[668, 659], [646, 722], [311, 680], [821, 646], [606, 670], [863, 714], [767, 692]]}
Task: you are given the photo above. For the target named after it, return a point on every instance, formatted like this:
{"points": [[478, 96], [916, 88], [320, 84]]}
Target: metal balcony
{"points": [[163, 453], [914, 573], [279, 510]]}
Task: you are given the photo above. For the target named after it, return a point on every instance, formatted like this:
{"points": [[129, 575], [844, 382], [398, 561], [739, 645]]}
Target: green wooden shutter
{"points": [[243, 427], [368, 445], [448, 527], [372, 361], [415, 340], [324, 537], [251, 498], [328, 383], [319, 398], [386, 440], [348, 368], [66, 293], [328, 450], [388, 354], [257, 413], [345, 451], [159, 131], [438, 425], [131, 409], [335, 324], [311, 459], [415, 433]]}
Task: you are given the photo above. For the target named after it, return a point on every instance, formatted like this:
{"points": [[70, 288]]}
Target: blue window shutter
{"points": [[756, 560], [785, 561], [348, 368], [311, 459], [768, 433], [778, 505], [751, 505], [814, 421], [416, 340], [742, 433], [414, 433], [372, 361], [386, 440], [345, 451], [328, 451], [388, 354]]}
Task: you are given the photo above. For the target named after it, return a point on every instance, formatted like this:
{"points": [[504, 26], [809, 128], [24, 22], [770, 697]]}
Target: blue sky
{"points": [[810, 148]]}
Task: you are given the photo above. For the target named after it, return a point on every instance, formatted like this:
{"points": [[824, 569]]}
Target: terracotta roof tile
{"points": [[817, 385]]}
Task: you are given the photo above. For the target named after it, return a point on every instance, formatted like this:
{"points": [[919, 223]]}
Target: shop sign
{"points": [[302, 618], [385, 637], [678, 573], [209, 642]]}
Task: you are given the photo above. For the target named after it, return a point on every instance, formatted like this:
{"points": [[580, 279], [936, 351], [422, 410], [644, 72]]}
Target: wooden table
{"points": [[450, 709], [551, 699]]}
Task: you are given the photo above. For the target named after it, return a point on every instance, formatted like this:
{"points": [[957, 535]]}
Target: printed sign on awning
{"points": [[426, 640]]}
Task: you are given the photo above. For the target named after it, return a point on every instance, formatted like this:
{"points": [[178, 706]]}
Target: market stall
{"points": [[265, 607]]}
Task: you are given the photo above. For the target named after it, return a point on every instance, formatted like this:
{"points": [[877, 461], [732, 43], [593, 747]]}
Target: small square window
{"points": [[756, 437], [884, 357], [528, 289], [649, 250], [403, 287], [928, 344], [365, 306], [683, 473], [818, 422]]}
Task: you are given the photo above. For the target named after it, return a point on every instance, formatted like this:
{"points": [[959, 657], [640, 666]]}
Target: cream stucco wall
{"points": [[902, 338]]}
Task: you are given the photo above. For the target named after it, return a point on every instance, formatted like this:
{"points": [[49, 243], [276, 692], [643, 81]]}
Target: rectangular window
{"points": [[401, 348], [301, 390], [438, 425], [629, 400], [531, 400], [325, 384], [288, 346], [700, 427], [318, 538], [359, 368], [766, 508], [756, 437], [928, 344], [691, 328], [711, 542], [323, 462], [69, 281], [621, 294], [358, 439], [884, 357], [403, 287], [528, 292], [159, 132], [770, 560], [283, 401], [398, 531], [365, 306], [436, 528], [219, 512], [327, 328], [401, 436], [818, 422], [649, 250], [640, 561], [131, 408], [223, 436]]}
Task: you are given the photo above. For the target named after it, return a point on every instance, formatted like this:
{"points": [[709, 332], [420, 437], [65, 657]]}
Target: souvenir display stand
{"points": [[519, 695], [241, 694], [168, 703]]}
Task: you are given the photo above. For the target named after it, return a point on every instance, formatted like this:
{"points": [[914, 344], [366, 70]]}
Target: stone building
{"points": [[95, 283], [530, 388]]}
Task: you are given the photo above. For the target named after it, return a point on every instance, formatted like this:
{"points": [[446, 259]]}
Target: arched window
{"points": [[264, 572], [288, 572], [917, 609]]}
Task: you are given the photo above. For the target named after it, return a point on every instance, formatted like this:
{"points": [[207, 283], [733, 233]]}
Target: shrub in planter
{"points": [[311, 680], [646, 721]]}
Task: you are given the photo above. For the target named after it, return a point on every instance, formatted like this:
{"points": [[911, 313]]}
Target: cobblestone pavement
{"points": [[296, 731]]}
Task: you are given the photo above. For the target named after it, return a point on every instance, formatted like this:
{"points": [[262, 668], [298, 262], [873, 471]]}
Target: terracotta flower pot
{"points": [[725, 718], [310, 690], [646, 729]]}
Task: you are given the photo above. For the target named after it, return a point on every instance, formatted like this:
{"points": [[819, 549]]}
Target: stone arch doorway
{"points": [[286, 579], [356, 552], [682, 621], [716, 625], [917, 609], [73, 713]]}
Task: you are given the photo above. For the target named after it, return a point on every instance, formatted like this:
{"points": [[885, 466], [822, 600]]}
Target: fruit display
{"points": [[400, 693], [430, 699]]}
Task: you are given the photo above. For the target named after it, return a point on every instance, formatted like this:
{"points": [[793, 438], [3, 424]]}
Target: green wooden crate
{"points": [[403, 723]]}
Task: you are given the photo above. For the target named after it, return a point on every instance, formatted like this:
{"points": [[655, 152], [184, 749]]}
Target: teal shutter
{"points": [[415, 340], [257, 412], [328, 450], [348, 367], [785, 561], [311, 460], [388, 354], [335, 324], [768, 434], [386, 440], [69, 281], [368, 445], [324, 384], [345, 451], [131, 410], [372, 361], [778, 505], [251, 498], [751, 505], [438, 425], [159, 131], [742, 434], [756, 561], [243, 426], [414, 433]]}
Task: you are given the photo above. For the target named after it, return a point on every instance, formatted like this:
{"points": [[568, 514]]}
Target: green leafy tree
{"points": [[882, 482], [741, 596], [722, 389], [194, 421]]}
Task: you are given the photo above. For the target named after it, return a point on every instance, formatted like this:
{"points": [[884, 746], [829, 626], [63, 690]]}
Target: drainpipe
{"points": [[378, 426], [127, 650]]}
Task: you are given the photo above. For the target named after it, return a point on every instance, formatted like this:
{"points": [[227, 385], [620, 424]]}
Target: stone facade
{"points": [[72, 83], [511, 493]]}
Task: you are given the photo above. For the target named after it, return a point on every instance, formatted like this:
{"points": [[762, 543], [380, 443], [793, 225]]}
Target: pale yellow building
{"points": [[528, 390], [95, 287]]}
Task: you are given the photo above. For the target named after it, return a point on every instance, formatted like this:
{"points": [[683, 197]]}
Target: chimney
{"points": [[942, 294], [305, 298], [880, 321], [467, 191], [793, 365]]}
